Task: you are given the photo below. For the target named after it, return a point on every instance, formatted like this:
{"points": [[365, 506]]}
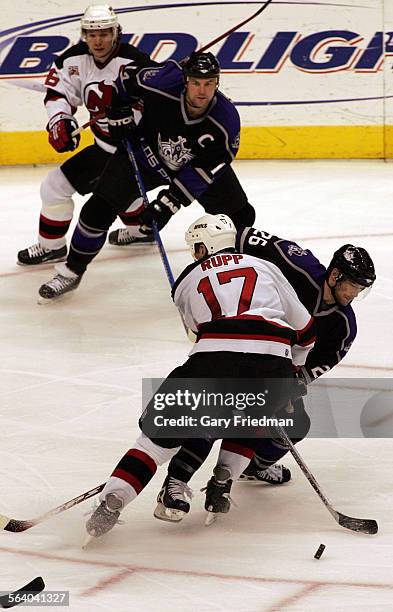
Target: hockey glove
{"points": [[121, 123], [300, 387], [160, 210], [60, 129]]}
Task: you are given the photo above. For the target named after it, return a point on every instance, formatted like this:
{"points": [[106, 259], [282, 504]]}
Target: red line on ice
{"points": [[107, 582], [190, 573]]}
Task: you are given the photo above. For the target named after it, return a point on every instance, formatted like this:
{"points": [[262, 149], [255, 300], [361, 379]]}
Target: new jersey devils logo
{"points": [[96, 97]]}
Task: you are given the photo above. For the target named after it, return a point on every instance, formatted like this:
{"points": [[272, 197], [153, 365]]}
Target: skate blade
{"points": [[87, 541], [249, 479], [253, 480], [170, 515], [210, 518], [44, 301], [42, 264], [133, 245]]}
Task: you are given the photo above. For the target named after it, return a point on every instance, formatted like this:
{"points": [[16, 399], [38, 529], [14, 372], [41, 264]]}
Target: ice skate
{"points": [[173, 500], [63, 282], [274, 475], [218, 493], [104, 518], [131, 236], [36, 255]]}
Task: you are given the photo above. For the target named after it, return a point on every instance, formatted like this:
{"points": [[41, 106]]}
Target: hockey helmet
{"points": [[355, 264], [216, 232], [100, 17], [202, 66]]}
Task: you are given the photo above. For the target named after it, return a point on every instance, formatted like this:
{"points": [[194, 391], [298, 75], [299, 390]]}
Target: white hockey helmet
{"points": [[216, 232], [100, 17]]}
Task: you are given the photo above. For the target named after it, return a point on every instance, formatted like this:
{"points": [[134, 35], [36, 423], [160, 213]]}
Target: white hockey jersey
{"points": [[76, 79], [240, 303]]}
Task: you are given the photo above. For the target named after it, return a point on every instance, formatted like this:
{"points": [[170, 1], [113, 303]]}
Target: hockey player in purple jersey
{"points": [[327, 294], [185, 142], [193, 147]]}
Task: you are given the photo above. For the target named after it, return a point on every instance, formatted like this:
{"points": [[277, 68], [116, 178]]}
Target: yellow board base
{"points": [[317, 142], [33, 148], [284, 142]]}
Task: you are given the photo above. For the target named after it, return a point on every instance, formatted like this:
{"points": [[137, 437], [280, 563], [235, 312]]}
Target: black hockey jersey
{"points": [[335, 326], [186, 152], [76, 79]]}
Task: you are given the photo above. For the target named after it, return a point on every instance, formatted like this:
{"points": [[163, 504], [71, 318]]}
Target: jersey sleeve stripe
{"points": [[204, 175], [184, 190]]}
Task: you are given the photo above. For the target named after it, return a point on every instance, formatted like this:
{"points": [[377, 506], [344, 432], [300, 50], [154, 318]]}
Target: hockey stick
{"points": [[143, 193], [355, 524], [236, 27], [156, 233], [10, 524], [86, 125], [9, 600]]}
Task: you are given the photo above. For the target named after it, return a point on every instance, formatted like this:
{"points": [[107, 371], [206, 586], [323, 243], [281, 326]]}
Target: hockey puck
{"points": [[319, 552]]}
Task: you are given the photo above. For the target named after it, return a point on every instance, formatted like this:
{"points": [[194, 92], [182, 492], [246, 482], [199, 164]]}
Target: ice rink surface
{"points": [[70, 380]]}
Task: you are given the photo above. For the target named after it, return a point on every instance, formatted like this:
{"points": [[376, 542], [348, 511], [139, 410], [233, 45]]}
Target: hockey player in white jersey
{"points": [[82, 75], [250, 324]]}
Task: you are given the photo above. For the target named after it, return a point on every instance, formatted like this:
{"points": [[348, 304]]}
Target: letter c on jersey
{"points": [[204, 137]]}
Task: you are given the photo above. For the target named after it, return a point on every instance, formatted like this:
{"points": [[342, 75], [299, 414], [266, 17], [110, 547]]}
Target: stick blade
{"points": [[368, 526], [35, 586], [16, 526], [9, 524]]}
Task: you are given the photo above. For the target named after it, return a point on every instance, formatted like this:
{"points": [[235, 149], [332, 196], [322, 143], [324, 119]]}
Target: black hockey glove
{"points": [[299, 387], [160, 210], [60, 129], [121, 124]]}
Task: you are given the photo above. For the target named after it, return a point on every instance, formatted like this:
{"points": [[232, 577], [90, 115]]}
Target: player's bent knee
{"points": [[97, 214], [56, 188], [159, 454]]}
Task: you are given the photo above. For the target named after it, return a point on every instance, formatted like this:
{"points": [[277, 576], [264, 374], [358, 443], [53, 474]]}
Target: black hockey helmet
{"points": [[355, 264], [202, 66]]}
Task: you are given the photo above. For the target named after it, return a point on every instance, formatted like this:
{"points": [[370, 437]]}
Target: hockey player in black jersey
{"points": [[186, 140], [82, 75], [198, 161], [327, 294]]}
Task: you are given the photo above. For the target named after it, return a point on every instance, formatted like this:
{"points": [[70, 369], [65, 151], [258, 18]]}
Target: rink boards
{"points": [[310, 79]]}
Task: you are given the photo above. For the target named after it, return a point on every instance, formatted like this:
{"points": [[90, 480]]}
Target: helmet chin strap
{"points": [[333, 290]]}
